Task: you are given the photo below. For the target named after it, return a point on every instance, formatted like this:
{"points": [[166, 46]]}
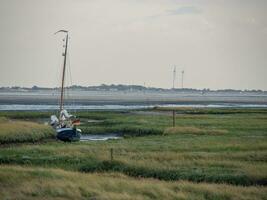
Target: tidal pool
{"points": [[101, 137]]}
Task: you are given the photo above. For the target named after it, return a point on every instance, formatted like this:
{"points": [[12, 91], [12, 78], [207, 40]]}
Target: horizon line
{"points": [[129, 85]]}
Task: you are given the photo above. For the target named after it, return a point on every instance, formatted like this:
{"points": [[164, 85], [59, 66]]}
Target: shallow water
{"points": [[14, 107], [102, 137]]}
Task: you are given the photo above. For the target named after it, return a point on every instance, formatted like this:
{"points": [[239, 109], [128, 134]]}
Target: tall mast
{"points": [[63, 74], [64, 69]]}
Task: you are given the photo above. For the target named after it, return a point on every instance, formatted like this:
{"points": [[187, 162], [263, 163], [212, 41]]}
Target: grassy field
{"points": [[209, 154], [14, 131], [36, 183]]}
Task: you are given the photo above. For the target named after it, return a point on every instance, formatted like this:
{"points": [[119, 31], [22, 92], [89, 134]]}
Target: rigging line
{"points": [[59, 80], [71, 83], [67, 89], [68, 58], [58, 74]]}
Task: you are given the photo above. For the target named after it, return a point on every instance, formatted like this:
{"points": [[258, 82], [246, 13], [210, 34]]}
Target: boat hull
{"points": [[68, 134]]}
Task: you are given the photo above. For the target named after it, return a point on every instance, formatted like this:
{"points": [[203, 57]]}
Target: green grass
{"points": [[193, 131], [25, 114], [216, 159], [232, 122], [21, 131], [216, 111], [226, 148]]}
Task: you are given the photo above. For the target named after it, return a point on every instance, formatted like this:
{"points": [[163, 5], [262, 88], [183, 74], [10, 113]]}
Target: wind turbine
{"points": [[182, 79], [174, 76]]}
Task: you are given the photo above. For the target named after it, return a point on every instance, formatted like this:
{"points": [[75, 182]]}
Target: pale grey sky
{"points": [[219, 43]]}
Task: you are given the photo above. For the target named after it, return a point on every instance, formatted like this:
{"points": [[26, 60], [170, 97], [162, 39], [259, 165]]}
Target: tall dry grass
{"points": [[39, 183], [22, 131]]}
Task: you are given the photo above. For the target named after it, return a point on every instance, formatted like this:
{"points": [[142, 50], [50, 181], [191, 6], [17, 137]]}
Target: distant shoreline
{"points": [[129, 88], [129, 98]]}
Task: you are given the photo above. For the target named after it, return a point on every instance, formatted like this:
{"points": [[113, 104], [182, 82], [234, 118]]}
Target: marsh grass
{"points": [[203, 147], [39, 183], [211, 175], [193, 131], [21, 131], [188, 110], [214, 159], [198, 121], [25, 114]]}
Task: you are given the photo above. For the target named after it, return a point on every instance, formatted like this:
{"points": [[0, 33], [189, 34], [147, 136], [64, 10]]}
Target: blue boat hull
{"points": [[68, 134]]}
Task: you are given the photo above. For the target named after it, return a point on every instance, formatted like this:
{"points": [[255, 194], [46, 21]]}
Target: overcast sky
{"points": [[219, 44]]}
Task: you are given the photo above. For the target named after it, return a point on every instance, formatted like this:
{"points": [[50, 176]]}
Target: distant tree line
{"points": [[121, 87]]}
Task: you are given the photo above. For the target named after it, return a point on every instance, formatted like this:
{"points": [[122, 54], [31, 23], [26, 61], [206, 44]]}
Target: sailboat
{"points": [[65, 124]]}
